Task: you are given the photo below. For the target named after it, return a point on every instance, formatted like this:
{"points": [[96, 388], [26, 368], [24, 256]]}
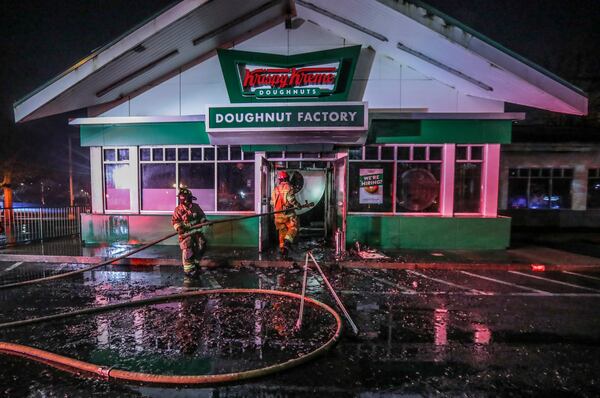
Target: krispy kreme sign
{"points": [[317, 76], [309, 81]]}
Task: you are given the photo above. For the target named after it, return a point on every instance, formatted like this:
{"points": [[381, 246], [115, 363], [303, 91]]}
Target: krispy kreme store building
{"points": [[397, 142]]}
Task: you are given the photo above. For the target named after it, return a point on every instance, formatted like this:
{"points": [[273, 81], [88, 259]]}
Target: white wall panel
{"points": [[410, 73], [307, 38], [383, 94], [311, 37], [202, 85], [119, 110], [162, 100], [272, 41], [430, 94], [468, 103]]}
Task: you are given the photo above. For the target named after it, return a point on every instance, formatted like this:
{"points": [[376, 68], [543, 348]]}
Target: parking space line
{"points": [[385, 282], [554, 281], [505, 283], [449, 283], [581, 275], [15, 265], [440, 293]]}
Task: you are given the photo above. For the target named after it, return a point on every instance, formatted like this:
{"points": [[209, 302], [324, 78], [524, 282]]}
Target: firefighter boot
{"points": [[285, 250]]}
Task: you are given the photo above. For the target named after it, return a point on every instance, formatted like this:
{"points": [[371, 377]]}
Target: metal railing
{"points": [[30, 224]]}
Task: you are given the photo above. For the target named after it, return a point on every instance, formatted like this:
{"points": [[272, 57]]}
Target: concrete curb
{"points": [[211, 263]]}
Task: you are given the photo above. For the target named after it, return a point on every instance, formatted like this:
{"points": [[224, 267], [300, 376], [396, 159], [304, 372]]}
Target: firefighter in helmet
{"points": [[286, 223], [187, 214]]}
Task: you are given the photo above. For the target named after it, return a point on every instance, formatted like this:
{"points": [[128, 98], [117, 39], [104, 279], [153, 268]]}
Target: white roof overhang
{"points": [[190, 31], [174, 40], [443, 49]]}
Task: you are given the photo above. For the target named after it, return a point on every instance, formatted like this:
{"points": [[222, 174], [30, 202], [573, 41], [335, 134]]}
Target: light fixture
{"points": [[345, 21], [135, 74], [445, 67], [235, 22]]}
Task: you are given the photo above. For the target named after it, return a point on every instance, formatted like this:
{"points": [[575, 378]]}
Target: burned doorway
{"points": [[311, 174]]}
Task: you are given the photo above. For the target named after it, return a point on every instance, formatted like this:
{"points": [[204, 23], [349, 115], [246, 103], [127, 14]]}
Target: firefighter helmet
{"points": [[185, 194], [282, 175]]}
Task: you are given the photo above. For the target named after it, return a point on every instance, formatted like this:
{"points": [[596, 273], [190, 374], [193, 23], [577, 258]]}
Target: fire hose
{"points": [[107, 373], [193, 229]]}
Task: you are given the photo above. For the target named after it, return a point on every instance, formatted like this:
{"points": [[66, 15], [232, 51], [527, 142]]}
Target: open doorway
{"points": [[312, 176]]}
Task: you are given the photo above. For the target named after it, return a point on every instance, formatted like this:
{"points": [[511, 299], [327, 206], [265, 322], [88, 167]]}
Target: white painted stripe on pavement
{"points": [[15, 265], [582, 275], [449, 283], [473, 294], [384, 281], [505, 283], [554, 281]]}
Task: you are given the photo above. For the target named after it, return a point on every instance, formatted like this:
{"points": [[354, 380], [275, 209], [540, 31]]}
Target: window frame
{"points": [[596, 171], [527, 170], [483, 183], [130, 163], [395, 160]]}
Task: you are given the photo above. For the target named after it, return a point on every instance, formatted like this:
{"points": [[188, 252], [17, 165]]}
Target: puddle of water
{"points": [[205, 335]]}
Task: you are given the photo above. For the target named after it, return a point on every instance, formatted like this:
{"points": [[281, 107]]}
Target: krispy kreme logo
{"points": [[309, 81]]}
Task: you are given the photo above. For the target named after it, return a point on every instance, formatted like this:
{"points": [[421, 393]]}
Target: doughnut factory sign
{"points": [[317, 76], [288, 117]]}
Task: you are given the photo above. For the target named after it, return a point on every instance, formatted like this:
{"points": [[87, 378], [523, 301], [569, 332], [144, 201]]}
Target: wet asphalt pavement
{"points": [[421, 333]]}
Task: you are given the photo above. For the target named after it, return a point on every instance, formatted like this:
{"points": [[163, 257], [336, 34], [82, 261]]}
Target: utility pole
{"points": [[71, 195]]}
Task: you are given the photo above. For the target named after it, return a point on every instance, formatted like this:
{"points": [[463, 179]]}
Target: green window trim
{"points": [[387, 131]]}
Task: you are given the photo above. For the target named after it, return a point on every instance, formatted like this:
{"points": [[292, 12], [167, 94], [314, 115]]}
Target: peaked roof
{"points": [[409, 31]]}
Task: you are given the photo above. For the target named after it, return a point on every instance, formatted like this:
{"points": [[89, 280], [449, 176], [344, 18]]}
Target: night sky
{"points": [[40, 39]]}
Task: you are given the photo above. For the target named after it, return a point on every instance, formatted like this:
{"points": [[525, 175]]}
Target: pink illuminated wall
{"points": [[161, 199], [205, 198], [117, 199]]}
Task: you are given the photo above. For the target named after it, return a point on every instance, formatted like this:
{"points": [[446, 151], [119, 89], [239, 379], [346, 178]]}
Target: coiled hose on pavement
{"points": [[108, 373]]}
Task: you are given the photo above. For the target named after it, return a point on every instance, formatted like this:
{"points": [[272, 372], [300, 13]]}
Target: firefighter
{"points": [[187, 214], [286, 223]]}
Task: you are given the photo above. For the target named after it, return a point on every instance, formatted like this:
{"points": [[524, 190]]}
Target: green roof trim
{"points": [[389, 131], [452, 21], [177, 133]]}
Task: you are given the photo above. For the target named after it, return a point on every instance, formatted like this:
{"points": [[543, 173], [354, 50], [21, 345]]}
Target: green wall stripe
{"points": [[395, 232], [178, 133], [387, 131], [102, 228]]}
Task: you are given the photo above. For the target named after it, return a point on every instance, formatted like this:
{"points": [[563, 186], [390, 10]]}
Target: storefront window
{"points": [[370, 187], [118, 179], [418, 187], [163, 169], [158, 186], [593, 192], [539, 188], [118, 186], [236, 186], [200, 179], [418, 179], [467, 188], [467, 179]]}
